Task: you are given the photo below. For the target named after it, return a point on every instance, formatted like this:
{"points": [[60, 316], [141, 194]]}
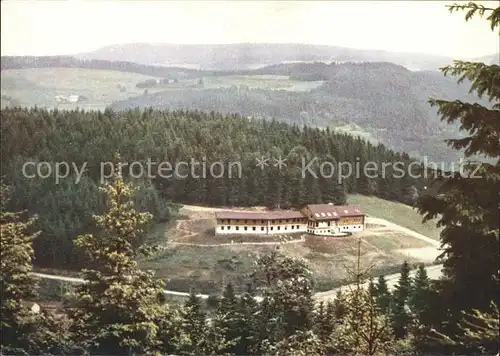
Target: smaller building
{"points": [[263, 223], [329, 219]]}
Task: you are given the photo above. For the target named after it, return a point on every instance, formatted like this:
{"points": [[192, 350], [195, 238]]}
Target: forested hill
{"points": [[253, 55], [65, 207], [24, 62], [384, 99]]}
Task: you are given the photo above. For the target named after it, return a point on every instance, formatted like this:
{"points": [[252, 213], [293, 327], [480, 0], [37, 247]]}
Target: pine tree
{"points": [[338, 306], [467, 205], [18, 324], [420, 293], [382, 294], [364, 330], [479, 333], [248, 324], [228, 317], [324, 321], [301, 343], [372, 289], [401, 318], [287, 304], [194, 327], [116, 311]]}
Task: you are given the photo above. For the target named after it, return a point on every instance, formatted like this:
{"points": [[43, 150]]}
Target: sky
{"points": [[46, 27]]}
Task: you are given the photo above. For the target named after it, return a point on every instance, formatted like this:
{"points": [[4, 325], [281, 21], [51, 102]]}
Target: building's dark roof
{"points": [[265, 215], [332, 212]]}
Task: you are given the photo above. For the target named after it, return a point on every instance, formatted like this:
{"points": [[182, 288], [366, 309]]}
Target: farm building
{"points": [[315, 219], [70, 99], [264, 223]]}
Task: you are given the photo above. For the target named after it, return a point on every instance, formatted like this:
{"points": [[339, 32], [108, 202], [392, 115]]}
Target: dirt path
{"points": [[264, 243]]}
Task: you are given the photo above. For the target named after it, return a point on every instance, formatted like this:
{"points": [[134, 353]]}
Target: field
{"points": [[399, 213], [271, 82], [195, 259], [40, 86]]}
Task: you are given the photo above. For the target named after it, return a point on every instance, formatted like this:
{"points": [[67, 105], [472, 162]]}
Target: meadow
{"points": [[270, 82], [194, 259], [399, 213], [39, 86]]}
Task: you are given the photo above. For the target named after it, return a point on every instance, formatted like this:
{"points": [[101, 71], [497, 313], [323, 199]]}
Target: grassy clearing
{"points": [[393, 240], [201, 269], [398, 213], [39, 86], [272, 82], [205, 269]]}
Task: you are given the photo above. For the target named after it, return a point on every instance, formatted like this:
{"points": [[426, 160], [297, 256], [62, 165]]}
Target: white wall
{"points": [[284, 229], [324, 230]]}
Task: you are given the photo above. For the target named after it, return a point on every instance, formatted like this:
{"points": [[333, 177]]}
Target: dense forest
{"points": [[382, 98], [122, 310], [91, 138]]}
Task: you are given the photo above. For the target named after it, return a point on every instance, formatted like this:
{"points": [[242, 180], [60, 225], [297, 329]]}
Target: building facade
{"points": [[314, 219], [329, 219], [262, 223]]}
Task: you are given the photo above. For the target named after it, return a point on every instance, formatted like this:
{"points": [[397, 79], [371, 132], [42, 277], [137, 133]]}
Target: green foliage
{"points": [[287, 305], [24, 331], [479, 332], [420, 294], [91, 138], [301, 343], [382, 295], [401, 316], [364, 330], [466, 205], [17, 284], [382, 98], [116, 311]]}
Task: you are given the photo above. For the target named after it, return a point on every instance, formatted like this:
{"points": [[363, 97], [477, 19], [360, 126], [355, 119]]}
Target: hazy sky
{"points": [[70, 26]]}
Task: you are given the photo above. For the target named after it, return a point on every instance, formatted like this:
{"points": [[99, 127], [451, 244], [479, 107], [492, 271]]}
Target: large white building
{"points": [[315, 219], [327, 219], [262, 223]]}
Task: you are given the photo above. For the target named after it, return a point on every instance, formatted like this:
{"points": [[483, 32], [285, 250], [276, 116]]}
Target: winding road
{"points": [[434, 272]]}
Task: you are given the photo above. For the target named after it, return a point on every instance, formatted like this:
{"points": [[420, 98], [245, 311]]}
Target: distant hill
{"points": [[28, 62], [490, 59], [254, 55]]}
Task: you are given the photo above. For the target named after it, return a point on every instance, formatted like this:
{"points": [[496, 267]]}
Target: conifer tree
{"points": [[248, 324], [18, 323], [364, 330], [466, 201], [194, 327], [480, 333], [339, 307], [324, 321], [301, 343], [420, 293], [287, 304], [382, 295], [116, 311], [401, 317], [372, 290], [228, 318]]}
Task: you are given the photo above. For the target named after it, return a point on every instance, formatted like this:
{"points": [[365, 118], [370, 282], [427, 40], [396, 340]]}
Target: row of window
{"points": [[262, 221], [311, 231], [254, 228]]}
